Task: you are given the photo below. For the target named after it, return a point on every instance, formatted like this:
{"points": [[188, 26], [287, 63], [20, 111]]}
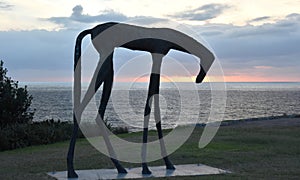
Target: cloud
{"points": [[263, 67], [202, 13], [286, 28], [37, 49], [77, 18], [283, 28], [260, 19], [293, 16], [266, 45], [241, 49], [5, 6], [146, 20]]}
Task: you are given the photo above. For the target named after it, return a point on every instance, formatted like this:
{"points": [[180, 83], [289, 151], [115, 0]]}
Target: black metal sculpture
{"points": [[157, 41]]}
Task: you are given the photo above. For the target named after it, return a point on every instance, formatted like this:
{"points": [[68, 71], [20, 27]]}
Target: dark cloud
{"points": [[145, 20], [5, 6], [78, 20], [260, 19], [284, 28], [37, 49], [202, 13], [244, 47], [293, 16], [104, 16], [269, 42], [77, 17], [77, 10]]}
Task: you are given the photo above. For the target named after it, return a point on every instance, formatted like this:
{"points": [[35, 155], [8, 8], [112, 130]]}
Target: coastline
{"points": [[283, 120]]}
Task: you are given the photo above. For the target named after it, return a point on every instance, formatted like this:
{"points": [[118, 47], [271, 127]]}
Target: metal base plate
{"points": [[157, 171]]}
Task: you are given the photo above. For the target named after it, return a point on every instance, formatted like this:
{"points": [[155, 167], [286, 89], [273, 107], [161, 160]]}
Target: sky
{"points": [[254, 41]]}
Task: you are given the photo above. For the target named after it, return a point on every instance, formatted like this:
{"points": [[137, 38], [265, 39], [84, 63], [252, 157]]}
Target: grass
{"points": [[249, 152]]}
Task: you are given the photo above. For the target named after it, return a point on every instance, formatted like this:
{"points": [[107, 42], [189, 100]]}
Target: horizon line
{"points": [[169, 82]]}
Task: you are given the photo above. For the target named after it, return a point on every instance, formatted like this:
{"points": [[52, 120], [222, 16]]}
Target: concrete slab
{"points": [[133, 173]]}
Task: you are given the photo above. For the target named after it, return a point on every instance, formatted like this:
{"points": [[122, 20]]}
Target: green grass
{"points": [[249, 152]]}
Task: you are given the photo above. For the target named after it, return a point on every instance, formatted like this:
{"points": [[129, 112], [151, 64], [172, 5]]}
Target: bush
{"points": [[115, 130], [16, 127], [14, 101], [21, 135], [120, 130]]}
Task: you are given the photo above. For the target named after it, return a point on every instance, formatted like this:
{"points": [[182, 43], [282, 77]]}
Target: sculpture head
{"points": [[201, 75]]}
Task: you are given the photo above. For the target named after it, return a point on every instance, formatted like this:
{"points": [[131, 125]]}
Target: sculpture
{"points": [[157, 41]]}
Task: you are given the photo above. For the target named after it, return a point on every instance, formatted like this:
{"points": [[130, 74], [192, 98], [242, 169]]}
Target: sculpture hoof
{"points": [[72, 174], [122, 170], [146, 171], [170, 167], [169, 164]]}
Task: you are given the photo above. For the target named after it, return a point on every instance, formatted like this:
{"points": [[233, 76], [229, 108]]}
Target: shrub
{"points": [[14, 101], [120, 130], [115, 130], [16, 127], [20, 135]]}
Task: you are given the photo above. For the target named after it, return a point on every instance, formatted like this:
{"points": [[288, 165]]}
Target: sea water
{"points": [[178, 106]]}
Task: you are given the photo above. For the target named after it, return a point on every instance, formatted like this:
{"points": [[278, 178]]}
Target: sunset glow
{"points": [[259, 79], [241, 78], [162, 79]]}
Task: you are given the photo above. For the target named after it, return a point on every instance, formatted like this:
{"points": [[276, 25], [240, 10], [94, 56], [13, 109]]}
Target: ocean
{"points": [[179, 106]]}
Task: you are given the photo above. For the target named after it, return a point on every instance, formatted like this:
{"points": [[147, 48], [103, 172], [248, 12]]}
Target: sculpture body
{"points": [[158, 41]]}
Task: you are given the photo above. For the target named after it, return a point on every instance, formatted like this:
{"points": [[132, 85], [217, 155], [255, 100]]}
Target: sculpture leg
{"points": [[107, 87], [145, 169], [156, 68], [157, 116], [71, 171], [152, 90], [76, 120]]}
